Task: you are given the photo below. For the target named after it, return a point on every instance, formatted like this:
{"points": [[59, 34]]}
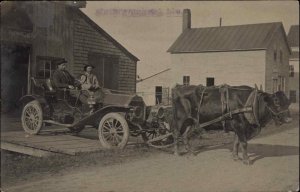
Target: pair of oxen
{"points": [[241, 109]]}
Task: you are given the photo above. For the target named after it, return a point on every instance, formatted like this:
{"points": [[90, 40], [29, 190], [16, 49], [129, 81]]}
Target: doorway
{"points": [[158, 95], [106, 69], [14, 75]]}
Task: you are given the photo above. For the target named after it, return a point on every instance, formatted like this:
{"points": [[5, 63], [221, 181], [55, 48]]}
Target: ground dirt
{"points": [[274, 154]]}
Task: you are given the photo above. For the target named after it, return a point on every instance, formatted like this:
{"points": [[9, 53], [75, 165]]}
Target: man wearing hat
{"points": [[90, 84], [88, 80], [62, 78]]}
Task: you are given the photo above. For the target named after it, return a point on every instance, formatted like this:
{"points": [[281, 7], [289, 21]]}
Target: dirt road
{"points": [[275, 168]]}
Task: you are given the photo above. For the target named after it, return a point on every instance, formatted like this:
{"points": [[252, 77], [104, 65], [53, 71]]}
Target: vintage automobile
{"points": [[120, 116]]}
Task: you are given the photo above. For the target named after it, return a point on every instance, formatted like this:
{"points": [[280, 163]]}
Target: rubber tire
{"points": [[124, 124], [38, 108]]}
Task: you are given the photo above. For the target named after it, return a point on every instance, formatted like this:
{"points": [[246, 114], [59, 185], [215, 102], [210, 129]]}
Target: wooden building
{"points": [[293, 38], [236, 55], [34, 33]]}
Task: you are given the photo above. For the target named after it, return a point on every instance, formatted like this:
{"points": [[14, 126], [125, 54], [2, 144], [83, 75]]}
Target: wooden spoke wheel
{"points": [[113, 131], [32, 117], [153, 136]]}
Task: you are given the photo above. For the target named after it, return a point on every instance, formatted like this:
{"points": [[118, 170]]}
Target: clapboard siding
{"points": [[233, 68], [58, 30], [275, 68]]}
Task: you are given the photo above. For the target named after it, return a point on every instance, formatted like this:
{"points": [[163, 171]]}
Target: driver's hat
{"points": [[60, 61]]}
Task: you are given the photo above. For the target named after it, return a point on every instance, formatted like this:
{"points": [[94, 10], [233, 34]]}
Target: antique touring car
{"points": [[120, 115]]}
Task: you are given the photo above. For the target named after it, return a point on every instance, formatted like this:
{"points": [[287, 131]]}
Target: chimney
{"points": [[186, 19]]}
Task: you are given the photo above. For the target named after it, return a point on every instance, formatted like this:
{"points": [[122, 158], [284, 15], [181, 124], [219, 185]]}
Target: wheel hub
{"points": [[113, 131], [31, 117]]}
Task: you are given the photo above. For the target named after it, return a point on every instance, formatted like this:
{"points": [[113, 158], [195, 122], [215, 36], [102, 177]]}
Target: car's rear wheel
{"points": [[32, 117], [113, 131]]}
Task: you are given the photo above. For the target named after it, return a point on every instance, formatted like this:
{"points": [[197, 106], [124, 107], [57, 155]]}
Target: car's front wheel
{"points": [[113, 131]]}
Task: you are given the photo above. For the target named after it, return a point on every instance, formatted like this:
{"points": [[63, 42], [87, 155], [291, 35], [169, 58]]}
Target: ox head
{"points": [[278, 105]]}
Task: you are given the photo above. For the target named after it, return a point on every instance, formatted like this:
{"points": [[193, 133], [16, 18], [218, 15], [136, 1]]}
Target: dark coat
{"points": [[62, 79]]}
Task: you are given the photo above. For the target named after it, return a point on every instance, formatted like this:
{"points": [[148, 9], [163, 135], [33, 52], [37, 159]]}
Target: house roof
{"points": [[106, 35], [226, 38], [293, 36]]}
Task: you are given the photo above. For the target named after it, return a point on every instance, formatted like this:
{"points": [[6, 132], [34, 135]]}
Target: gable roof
{"points": [[293, 36], [106, 35], [226, 38]]}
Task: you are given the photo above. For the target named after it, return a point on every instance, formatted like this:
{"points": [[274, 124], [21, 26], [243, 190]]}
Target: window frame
{"points": [[41, 62], [291, 71], [210, 79], [186, 80], [275, 55]]}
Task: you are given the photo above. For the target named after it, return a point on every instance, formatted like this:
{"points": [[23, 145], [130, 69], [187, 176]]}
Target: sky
{"points": [[148, 29]]}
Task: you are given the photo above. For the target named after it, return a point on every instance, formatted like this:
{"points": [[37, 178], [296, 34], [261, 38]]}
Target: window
{"points": [[275, 87], [210, 81], [282, 83], [281, 56], [45, 66], [158, 95], [275, 55], [292, 71], [186, 80], [293, 96], [166, 100]]}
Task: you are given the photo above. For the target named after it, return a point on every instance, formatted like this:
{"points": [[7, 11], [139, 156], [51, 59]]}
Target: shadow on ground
{"points": [[261, 151], [258, 151]]}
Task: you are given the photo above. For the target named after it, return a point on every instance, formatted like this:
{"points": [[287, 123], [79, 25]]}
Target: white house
{"points": [[293, 38], [236, 55]]}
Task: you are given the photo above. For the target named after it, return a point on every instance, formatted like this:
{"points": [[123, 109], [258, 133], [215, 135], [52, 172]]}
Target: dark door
{"points": [[210, 81], [293, 96], [106, 69], [14, 67], [158, 94]]}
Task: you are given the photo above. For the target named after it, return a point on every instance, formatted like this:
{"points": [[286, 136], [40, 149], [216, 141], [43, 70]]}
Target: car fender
{"points": [[94, 118], [27, 98]]}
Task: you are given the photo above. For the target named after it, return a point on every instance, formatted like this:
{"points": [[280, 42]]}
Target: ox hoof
{"points": [[235, 158], [192, 153], [247, 162]]}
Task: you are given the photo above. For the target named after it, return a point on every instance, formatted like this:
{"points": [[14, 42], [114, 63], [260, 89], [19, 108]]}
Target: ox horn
{"points": [[255, 86]]}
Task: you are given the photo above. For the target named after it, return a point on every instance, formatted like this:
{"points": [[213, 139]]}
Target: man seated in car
{"points": [[90, 84], [90, 87], [62, 79]]}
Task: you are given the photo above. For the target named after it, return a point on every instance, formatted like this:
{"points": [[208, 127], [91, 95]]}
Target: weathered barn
{"points": [[293, 38], [235, 55], [34, 33]]}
